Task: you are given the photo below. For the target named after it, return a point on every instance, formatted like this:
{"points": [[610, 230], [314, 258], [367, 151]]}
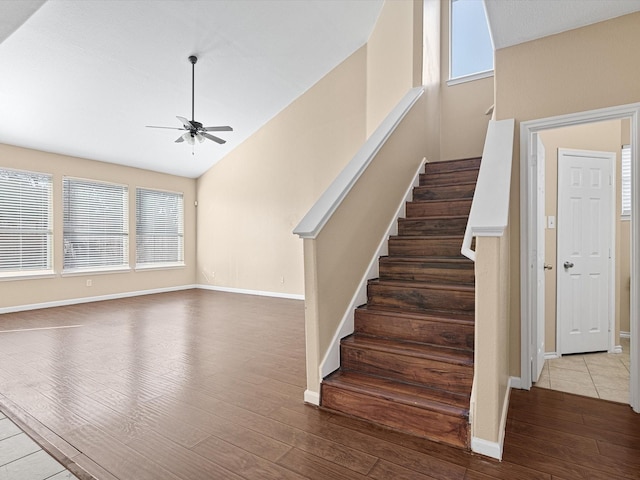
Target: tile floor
{"points": [[22, 459], [598, 375]]}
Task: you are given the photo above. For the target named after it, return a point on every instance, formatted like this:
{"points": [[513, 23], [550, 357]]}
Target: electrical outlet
{"points": [[89, 283]]}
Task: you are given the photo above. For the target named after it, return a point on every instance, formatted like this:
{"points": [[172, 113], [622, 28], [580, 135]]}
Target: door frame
{"points": [[611, 310], [528, 231]]}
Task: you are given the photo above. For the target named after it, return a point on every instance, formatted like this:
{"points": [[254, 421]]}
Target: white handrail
{"points": [[489, 214], [317, 217]]}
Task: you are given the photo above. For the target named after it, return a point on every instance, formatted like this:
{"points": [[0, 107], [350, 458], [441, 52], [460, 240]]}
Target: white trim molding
{"points": [[244, 291], [331, 360], [487, 447], [489, 213], [312, 398], [551, 355], [528, 225], [312, 223], [98, 298]]}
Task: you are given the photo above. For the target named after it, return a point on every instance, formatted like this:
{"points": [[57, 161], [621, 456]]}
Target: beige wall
{"points": [[603, 137], [394, 58], [60, 288], [584, 69], [463, 123], [338, 259], [491, 355], [250, 202]]}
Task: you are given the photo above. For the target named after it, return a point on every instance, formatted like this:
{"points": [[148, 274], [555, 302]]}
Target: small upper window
{"points": [[471, 52]]}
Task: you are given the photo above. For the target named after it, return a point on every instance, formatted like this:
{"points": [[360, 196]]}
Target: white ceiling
{"points": [[517, 21], [83, 78]]}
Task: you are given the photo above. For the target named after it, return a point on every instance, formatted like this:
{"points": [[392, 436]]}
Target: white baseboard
{"points": [[617, 349], [244, 291], [515, 382], [331, 360], [312, 397], [551, 355], [487, 447], [625, 334], [98, 298]]}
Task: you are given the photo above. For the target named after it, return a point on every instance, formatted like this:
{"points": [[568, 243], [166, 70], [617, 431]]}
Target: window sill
{"points": [[34, 275], [469, 78], [94, 271], [160, 266]]}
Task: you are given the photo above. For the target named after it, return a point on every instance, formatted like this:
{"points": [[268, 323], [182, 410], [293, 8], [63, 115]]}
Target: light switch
{"points": [[551, 222]]}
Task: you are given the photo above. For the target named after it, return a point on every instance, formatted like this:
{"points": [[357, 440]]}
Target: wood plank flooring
{"points": [[209, 385]]}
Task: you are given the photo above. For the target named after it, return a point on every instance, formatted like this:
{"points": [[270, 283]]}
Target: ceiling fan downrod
{"points": [[193, 59]]}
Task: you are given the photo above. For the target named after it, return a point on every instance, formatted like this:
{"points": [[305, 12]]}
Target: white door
{"points": [[585, 232], [538, 333]]}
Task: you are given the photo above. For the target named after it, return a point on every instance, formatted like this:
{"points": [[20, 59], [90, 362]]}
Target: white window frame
{"points": [[22, 209], [90, 225], [625, 188], [170, 227], [469, 77]]}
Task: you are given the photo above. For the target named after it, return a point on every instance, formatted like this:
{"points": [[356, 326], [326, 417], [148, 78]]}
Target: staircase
{"points": [[409, 363]]}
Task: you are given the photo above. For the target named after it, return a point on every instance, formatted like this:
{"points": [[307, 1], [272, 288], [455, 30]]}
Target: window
{"points": [[96, 225], [159, 228], [26, 233], [625, 158], [471, 49]]}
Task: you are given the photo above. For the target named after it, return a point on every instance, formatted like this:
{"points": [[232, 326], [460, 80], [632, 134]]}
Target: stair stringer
{"points": [[331, 360]]}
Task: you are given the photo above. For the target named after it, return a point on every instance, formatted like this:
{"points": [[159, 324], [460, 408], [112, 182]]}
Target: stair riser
{"points": [[426, 272], [420, 299], [368, 322], [406, 368], [444, 192], [446, 178], [440, 226], [409, 247], [435, 426], [451, 166], [428, 209]]}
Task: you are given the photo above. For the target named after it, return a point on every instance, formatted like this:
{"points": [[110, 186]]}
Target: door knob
{"points": [[568, 265], [548, 267]]}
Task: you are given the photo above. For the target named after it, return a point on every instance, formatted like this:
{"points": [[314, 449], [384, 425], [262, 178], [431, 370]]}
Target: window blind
{"points": [[626, 180], [26, 233], [159, 227], [96, 224]]}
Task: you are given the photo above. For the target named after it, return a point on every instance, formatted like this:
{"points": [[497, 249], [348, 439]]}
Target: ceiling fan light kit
{"points": [[195, 130]]}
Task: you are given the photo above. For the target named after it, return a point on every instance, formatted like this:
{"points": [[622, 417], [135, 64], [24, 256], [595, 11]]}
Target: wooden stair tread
{"points": [[431, 316], [439, 185], [435, 217], [400, 392], [459, 261], [453, 238], [418, 350], [452, 287]]}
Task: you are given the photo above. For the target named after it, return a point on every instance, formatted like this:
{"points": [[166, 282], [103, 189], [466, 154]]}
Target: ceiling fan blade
{"points": [[168, 128], [226, 128], [215, 139], [187, 124], [179, 139]]}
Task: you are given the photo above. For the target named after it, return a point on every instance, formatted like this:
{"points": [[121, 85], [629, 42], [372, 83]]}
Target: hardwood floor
{"points": [[208, 385]]}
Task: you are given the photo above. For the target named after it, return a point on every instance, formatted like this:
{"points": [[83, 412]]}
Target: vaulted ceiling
{"points": [[83, 78]]}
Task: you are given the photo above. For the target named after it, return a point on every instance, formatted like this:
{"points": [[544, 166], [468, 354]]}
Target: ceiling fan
{"points": [[194, 130]]}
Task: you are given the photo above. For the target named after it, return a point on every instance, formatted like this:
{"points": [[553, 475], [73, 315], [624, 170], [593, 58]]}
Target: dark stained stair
{"points": [[409, 363]]}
